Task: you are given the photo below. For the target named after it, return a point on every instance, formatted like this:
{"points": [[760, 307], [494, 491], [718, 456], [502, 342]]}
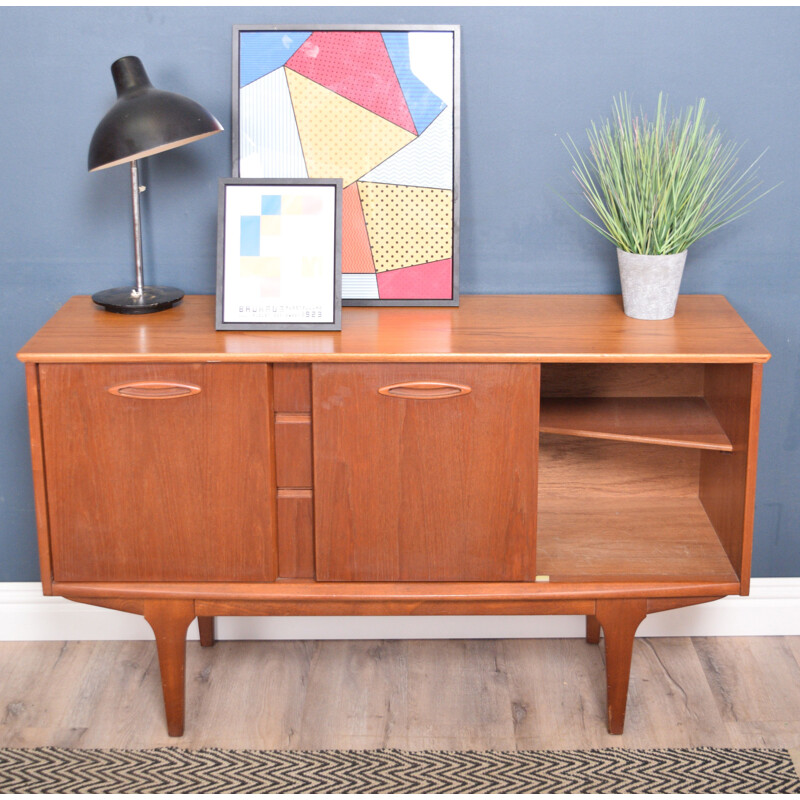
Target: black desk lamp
{"points": [[142, 122]]}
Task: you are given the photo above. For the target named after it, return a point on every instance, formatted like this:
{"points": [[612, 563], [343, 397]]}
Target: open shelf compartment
{"points": [[629, 539], [611, 509], [674, 421]]}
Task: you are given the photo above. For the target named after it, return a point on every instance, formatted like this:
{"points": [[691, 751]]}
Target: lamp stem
{"points": [[137, 230], [139, 299]]}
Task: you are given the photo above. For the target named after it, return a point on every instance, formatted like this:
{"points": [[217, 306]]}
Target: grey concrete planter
{"points": [[650, 284]]}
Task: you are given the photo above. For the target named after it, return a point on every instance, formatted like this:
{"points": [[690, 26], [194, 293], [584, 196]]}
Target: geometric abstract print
{"points": [[376, 109]]}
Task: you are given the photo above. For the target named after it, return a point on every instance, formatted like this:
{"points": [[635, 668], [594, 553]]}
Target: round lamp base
{"points": [[126, 300]]}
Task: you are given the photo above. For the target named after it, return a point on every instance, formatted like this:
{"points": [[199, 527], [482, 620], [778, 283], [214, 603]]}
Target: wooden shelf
{"points": [[673, 421], [636, 539]]}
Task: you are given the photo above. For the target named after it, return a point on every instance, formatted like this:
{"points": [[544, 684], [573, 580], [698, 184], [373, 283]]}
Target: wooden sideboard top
{"points": [[541, 328]]}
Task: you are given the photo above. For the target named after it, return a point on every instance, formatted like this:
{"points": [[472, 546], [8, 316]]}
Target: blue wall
{"points": [[530, 75]]}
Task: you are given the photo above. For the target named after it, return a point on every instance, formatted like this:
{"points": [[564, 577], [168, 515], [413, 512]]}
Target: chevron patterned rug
{"points": [[212, 771]]}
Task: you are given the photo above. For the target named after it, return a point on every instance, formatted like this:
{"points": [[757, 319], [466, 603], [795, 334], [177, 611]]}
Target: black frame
{"points": [[456, 31]]}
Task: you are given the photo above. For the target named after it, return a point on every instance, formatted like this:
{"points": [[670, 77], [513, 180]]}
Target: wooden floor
{"points": [[480, 694]]}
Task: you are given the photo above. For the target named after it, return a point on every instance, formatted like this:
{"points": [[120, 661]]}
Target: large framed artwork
{"points": [[377, 107]]}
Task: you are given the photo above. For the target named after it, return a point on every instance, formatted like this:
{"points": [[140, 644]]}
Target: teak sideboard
{"points": [[515, 455]]}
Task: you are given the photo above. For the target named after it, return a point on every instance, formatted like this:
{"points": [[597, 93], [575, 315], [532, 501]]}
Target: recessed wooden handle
{"points": [[154, 390], [424, 390]]}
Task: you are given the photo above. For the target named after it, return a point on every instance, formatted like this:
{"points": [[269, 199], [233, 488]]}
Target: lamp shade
{"points": [[145, 120]]}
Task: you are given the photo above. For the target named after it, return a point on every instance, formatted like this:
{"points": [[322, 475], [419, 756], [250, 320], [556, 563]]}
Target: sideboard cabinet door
{"points": [[159, 472], [425, 472]]}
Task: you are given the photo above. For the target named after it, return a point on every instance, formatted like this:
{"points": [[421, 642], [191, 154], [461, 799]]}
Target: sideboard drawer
{"points": [[425, 472], [293, 450], [292, 388], [144, 471], [295, 533]]}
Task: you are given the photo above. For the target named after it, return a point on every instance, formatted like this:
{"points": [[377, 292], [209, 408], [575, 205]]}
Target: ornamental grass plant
{"points": [[656, 186]]}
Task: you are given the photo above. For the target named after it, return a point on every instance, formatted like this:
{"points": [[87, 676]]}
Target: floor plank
{"points": [[668, 684], [557, 689], [356, 697], [458, 696], [453, 694], [751, 678]]}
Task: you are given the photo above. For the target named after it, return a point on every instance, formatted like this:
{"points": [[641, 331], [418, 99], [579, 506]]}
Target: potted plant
{"points": [[657, 186]]}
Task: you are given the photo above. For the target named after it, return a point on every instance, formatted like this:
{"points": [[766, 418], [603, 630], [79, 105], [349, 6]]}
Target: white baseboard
{"points": [[773, 609]]}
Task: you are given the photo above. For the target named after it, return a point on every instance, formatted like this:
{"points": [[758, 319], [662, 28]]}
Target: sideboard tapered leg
{"points": [[207, 633], [620, 619], [169, 620], [592, 629]]}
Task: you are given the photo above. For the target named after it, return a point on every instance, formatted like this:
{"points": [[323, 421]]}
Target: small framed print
{"points": [[279, 254]]}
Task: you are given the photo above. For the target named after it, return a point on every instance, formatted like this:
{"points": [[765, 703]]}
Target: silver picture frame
{"points": [[279, 254]]}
